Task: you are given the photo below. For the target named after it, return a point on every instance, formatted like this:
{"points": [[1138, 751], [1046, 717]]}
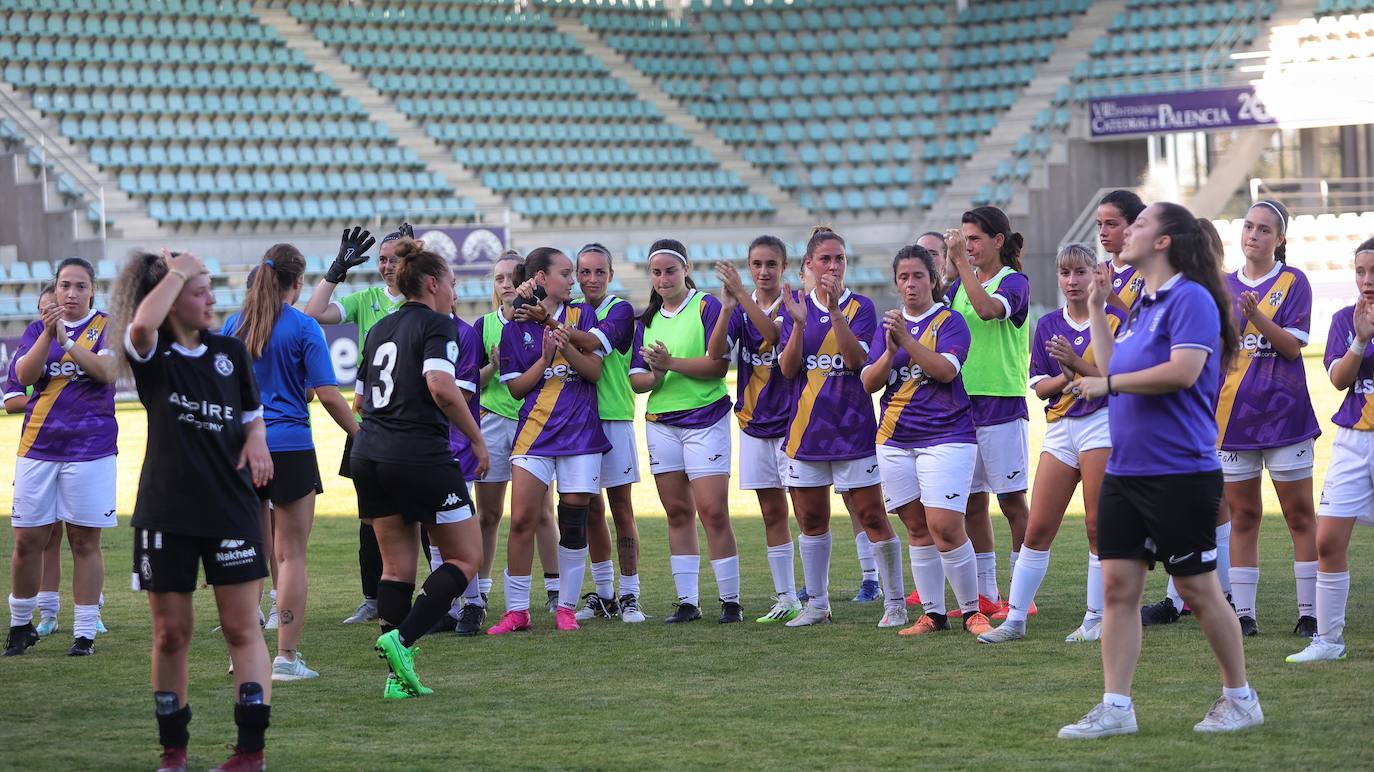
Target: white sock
{"points": [[21, 610], [83, 621], [1332, 591], [815, 558], [49, 603], [1025, 582], [1244, 585], [572, 566], [273, 595], [929, 575], [780, 563], [1242, 693], [686, 569], [727, 578], [484, 585], [1122, 701], [473, 594], [1172, 593], [987, 575], [1304, 572], [603, 577], [889, 556], [1011, 567], [552, 584], [629, 585], [1224, 557], [1097, 597], [961, 569], [867, 563], [517, 592], [435, 560]]}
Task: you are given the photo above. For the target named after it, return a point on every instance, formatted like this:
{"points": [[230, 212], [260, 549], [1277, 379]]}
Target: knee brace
{"points": [[572, 527]]}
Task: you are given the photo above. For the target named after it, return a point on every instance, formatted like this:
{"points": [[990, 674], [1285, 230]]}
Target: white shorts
{"points": [[620, 464], [940, 476], [1349, 489], [844, 475], [1070, 437], [703, 452], [762, 463], [1286, 464], [77, 492], [1003, 456], [499, 433], [575, 474]]}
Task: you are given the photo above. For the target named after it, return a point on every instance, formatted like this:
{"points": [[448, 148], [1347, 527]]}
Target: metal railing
{"points": [[1212, 61], [50, 153], [1084, 227], [1317, 195]]}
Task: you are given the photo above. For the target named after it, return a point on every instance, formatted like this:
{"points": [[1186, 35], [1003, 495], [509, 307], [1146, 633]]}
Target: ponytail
{"points": [[1281, 211], [656, 300], [281, 267], [140, 274], [414, 265], [819, 235], [1191, 254], [994, 222]]}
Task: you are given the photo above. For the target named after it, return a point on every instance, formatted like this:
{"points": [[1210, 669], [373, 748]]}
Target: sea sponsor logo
{"points": [[832, 363], [1256, 344], [564, 372], [1364, 386], [70, 370], [907, 373], [756, 359]]}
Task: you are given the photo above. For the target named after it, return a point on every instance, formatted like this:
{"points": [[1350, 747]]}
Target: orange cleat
{"points": [[914, 599], [925, 624], [977, 623], [1001, 612], [986, 607]]}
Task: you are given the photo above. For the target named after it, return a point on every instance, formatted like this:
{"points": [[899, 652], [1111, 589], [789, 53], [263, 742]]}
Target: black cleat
{"points": [[685, 612], [1161, 613], [1249, 628], [1307, 627], [941, 621], [730, 611], [446, 624], [471, 617], [82, 647], [596, 607], [21, 638]]}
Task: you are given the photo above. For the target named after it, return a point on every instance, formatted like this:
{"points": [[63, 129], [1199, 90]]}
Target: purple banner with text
{"points": [[1217, 109], [471, 251]]}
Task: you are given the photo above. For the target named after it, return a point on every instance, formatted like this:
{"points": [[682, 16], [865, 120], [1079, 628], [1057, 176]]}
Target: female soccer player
{"points": [[687, 428], [1077, 444], [1115, 211], [290, 358], [1163, 482], [1348, 494], [196, 504], [402, 465], [66, 467], [825, 341], [559, 436], [762, 403], [993, 296], [926, 440]]}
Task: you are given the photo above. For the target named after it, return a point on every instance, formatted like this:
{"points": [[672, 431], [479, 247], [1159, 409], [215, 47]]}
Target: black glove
{"points": [[352, 253], [521, 300], [406, 231]]}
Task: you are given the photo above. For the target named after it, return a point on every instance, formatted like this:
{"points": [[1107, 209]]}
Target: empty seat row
{"points": [[777, 19], [488, 85], [207, 8], [132, 27], [860, 176], [641, 205], [488, 15], [258, 210], [825, 64], [105, 103], [499, 64], [715, 180], [238, 129], [870, 41], [554, 157], [251, 156], [225, 183], [63, 51], [580, 110], [809, 87], [553, 133], [163, 78]]}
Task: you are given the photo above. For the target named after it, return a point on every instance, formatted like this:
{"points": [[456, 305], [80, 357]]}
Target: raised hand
{"points": [[897, 331], [956, 247], [1249, 304], [731, 287], [352, 253], [1062, 351], [51, 314], [1101, 287], [657, 356], [796, 309], [184, 262], [829, 288], [1364, 320]]}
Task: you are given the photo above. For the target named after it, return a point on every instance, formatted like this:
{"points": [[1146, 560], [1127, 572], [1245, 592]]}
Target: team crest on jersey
{"points": [[223, 365], [452, 351], [529, 341], [145, 568], [825, 319], [1078, 341], [92, 334], [1275, 297]]}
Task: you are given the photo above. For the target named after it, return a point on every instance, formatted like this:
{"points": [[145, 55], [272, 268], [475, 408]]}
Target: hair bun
{"points": [[407, 248], [1017, 240], [821, 229]]}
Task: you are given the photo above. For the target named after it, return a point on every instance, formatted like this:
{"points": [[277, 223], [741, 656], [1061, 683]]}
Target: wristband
{"points": [[1359, 349], [174, 272], [1110, 392], [69, 345]]}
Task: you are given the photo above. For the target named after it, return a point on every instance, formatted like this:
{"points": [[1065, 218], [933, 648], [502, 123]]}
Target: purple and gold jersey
{"points": [[832, 417], [1126, 283], [70, 416], [1043, 366], [1264, 401], [763, 396], [13, 388], [1357, 409], [916, 410], [559, 417], [467, 374]]}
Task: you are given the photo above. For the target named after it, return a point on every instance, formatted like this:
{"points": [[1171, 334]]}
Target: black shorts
{"points": [[295, 473], [1170, 518], [430, 494], [169, 562], [344, 463]]}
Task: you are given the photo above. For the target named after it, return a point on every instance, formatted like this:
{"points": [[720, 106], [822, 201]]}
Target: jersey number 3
{"points": [[384, 360]]}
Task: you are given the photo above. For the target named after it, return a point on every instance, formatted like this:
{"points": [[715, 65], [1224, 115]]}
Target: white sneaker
{"points": [[273, 621], [1318, 651], [811, 615], [1102, 721], [1228, 715], [1086, 632], [1003, 633], [894, 615], [367, 612], [284, 669], [630, 610]]}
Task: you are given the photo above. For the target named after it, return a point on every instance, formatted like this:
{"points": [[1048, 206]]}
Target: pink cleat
{"points": [[512, 621], [565, 619]]}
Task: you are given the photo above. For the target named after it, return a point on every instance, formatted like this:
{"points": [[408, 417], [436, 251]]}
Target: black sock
{"points": [[393, 602], [436, 596], [369, 560], [173, 723], [252, 717]]}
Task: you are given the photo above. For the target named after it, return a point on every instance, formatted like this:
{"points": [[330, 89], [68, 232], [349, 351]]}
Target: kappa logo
{"points": [[223, 365], [451, 500]]}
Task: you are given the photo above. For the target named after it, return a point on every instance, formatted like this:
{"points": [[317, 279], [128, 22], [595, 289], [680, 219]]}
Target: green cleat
{"points": [[401, 660], [784, 610], [395, 690]]}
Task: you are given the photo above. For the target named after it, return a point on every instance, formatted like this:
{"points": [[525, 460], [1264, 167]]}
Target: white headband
{"points": [[1283, 220], [672, 252]]}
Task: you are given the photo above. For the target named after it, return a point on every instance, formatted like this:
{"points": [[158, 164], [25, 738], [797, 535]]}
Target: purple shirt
{"points": [[832, 416], [70, 416], [1126, 283], [763, 395], [690, 418], [13, 388], [1014, 294], [559, 417], [916, 410], [1357, 409], [1043, 366], [1264, 401], [1173, 433], [467, 373]]}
